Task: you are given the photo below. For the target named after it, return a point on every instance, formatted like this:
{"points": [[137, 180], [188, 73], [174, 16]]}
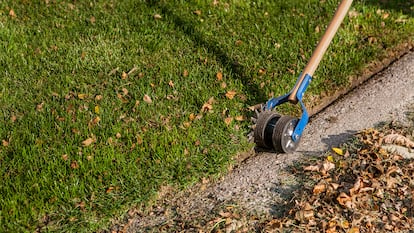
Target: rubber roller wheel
{"points": [[282, 134], [266, 120]]}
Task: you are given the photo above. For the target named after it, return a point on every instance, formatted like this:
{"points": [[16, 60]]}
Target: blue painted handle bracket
{"points": [[304, 119]]}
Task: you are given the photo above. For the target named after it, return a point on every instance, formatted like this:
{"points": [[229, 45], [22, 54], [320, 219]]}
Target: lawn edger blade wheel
{"points": [[264, 128], [274, 131], [283, 133]]}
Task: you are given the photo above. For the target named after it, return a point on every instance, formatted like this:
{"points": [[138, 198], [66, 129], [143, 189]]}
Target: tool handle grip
{"points": [[322, 46]]}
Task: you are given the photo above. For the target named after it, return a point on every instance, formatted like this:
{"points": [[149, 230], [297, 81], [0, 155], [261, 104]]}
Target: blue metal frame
{"points": [[304, 119]]}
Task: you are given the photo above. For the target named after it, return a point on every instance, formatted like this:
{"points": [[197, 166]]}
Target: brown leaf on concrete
{"points": [[319, 188], [398, 139]]}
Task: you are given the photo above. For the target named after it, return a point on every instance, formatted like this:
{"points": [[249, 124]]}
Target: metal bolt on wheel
{"points": [[282, 135]]}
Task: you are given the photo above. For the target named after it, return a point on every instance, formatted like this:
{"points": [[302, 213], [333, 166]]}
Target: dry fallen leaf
{"points": [[206, 107], [97, 109], [83, 55], [82, 96], [230, 94], [398, 139], [305, 213], [12, 13], [186, 124], [71, 6], [354, 230], [327, 166], [331, 230], [39, 107], [262, 72], [228, 120], [239, 118], [225, 214], [357, 186], [81, 205], [171, 83], [334, 186], [191, 117], [401, 19], [312, 168], [74, 164], [13, 118], [219, 76], [124, 75], [98, 97], [92, 19], [353, 14], [110, 189], [96, 120], [344, 200], [139, 140], [330, 158], [322, 168], [185, 73], [5, 143], [88, 142], [319, 188], [125, 91], [147, 99], [338, 151]]}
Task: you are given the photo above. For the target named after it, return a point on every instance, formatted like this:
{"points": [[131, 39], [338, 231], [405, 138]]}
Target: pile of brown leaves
{"points": [[367, 190]]}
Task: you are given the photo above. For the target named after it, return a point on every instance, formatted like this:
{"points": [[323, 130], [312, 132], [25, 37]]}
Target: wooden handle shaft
{"points": [[322, 46]]}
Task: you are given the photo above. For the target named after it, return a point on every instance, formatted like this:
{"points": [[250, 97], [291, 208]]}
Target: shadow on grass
{"points": [[404, 6], [213, 47]]}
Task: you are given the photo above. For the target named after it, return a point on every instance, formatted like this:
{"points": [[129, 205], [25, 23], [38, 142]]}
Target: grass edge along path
{"points": [[362, 186]]}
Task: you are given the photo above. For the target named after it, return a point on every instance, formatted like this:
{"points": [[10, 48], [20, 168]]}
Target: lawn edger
{"points": [[283, 133]]}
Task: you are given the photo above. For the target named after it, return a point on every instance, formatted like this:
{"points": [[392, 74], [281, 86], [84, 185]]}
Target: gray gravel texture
{"points": [[263, 183]]}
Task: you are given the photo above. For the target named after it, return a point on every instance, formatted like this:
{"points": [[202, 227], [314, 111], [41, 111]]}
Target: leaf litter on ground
{"points": [[358, 188]]}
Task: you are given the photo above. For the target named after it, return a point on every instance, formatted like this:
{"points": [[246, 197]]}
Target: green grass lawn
{"points": [[103, 102]]}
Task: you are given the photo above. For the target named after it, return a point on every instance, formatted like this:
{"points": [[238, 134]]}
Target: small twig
{"points": [[132, 70], [113, 71]]}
